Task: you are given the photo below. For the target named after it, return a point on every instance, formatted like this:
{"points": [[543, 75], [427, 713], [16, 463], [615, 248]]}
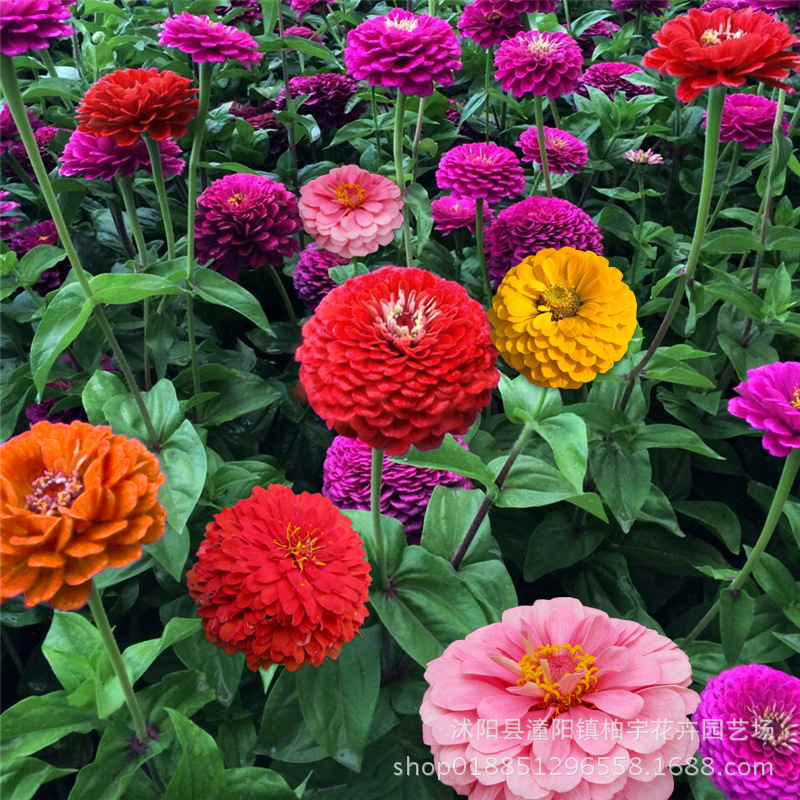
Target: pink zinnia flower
{"points": [[311, 276], [31, 24], [101, 158], [7, 218], [645, 158], [542, 64], [486, 25], [350, 211], [481, 170], [205, 40], [565, 152], [251, 11], [302, 7], [556, 683], [633, 6], [328, 96], [770, 401], [452, 212], [302, 32], [410, 51], [751, 714], [748, 119], [246, 220], [609, 78]]}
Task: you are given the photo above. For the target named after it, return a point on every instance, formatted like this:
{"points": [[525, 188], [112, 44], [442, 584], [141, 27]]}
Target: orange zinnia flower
{"points": [[74, 499]]}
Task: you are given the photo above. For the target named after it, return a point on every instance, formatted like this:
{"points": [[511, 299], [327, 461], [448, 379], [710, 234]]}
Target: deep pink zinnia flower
{"points": [[544, 64], [534, 224], [633, 6], [405, 490], [750, 715], [328, 96], [486, 25], [603, 29], [451, 212], [302, 7], [770, 401], [311, 276], [748, 119], [101, 158], [205, 40], [246, 220], [481, 170], [609, 77], [7, 218], [302, 32], [31, 24], [43, 135], [508, 7], [786, 6], [8, 128], [565, 152], [350, 211], [410, 51], [560, 683], [736, 5], [251, 11], [643, 158]]}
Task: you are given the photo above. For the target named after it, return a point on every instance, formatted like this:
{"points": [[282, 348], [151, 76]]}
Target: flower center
{"points": [[351, 195], [494, 16], [402, 24], [54, 490], [541, 47], [300, 547], [795, 401], [563, 671], [714, 36], [236, 199], [561, 301], [44, 238], [407, 318], [777, 729]]}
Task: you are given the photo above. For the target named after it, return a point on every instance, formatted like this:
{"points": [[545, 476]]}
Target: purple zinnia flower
{"points": [[565, 152], [43, 135], [7, 221], [508, 7], [748, 119], [539, 63], [735, 5], [44, 410], [787, 6], [486, 25], [101, 158], [747, 715], [302, 7], [410, 51], [250, 14], [311, 278], [405, 490], [534, 224], [8, 128], [246, 220], [205, 40], [33, 236], [481, 170], [603, 28], [329, 93], [770, 401], [609, 78], [31, 24], [452, 212], [633, 6]]}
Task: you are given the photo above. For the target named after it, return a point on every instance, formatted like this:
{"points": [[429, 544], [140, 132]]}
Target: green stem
{"points": [[376, 477], [716, 100], [486, 83], [399, 121], [639, 228], [736, 154], [276, 279], [542, 144], [19, 170], [417, 138], [565, 4], [287, 90], [487, 286], [161, 191], [790, 469], [554, 111], [378, 144]]}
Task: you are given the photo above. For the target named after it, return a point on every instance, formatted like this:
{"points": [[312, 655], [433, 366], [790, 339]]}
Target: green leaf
{"points": [[161, 401], [664, 368], [138, 657], [658, 509], [555, 544], [736, 613], [731, 240], [490, 584], [199, 774], [21, 778], [524, 402], [217, 669], [418, 201], [702, 788], [775, 579], [36, 261], [74, 650], [673, 437], [255, 783], [622, 478], [121, 289], [394, 538], [99, 389], [716, 517], [531, 483], [447, 518], [566, 435], [215, 288]]}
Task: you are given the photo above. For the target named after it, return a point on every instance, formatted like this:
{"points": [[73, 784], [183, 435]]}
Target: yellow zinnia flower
{"points": [[562, 316]]}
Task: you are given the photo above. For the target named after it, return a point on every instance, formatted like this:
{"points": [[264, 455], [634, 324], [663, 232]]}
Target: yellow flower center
{"points": [[236, 199], [402, 24], [43, 238], [300, 547], [560, 300], [714, 36], [541, 46], [795, 401], [550, 664], [494, 16], [351, 195], [406, 318], [52, 490]]}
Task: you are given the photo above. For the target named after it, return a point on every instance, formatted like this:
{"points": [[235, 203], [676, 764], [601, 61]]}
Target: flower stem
{"points": [[399, 121], [565, 4], [736, 154], [107, 635], [554, 111], [417, 138], [486, 82], [639, 228], [790, 469], [161, 191], [487, 286], [542, 146], [276, 279], [287, 90], [378, 145], [376, 478], [716, 100]]}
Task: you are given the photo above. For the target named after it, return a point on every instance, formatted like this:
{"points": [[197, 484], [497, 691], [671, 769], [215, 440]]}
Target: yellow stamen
{"points": [[300, 548], [236, 199], [402, 24], [551, 663], [351, 195], [795, 401], [560, 300]]}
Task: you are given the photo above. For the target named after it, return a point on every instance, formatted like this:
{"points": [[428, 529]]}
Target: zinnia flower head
{"points": [[609, 78], [7, 218], [486, 25], [452, 212], [302, 32], [281, 578], [565, 152], [775, 6], [205, 40], [562, 316], [101, 158], [544, 64], [311, 276], [8, 128], [634, 6], [251, 11], [43, 136], [405, 490], [751, 714], [246, 220], [712, 5], [643, 158], [302, 7], [398, 357], [34, 235], [74, 499], [602, 28], [328, 96], [770, 401], [31, 24], [748, 119], [481, 170], [350, 211], [559, 683], [536, 223], [410, 51], [508, 7], [723, 47], [129, 102]]}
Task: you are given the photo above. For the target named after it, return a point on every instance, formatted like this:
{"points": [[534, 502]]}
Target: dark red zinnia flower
{"points": [[723, 47], [329, 95]]}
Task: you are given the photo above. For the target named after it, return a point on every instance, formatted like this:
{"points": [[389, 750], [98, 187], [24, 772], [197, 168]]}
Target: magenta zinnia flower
{"points": [[452, 212], [750, 715], [8, 128], [246, 220], [539, 63], [410, 51], [648, 6], [205, 40], [487, 25], [609, 78], [736, 5], [786, 6], [565, 152], [770, 401], [33, 236], [43, 135], [534, 224], [101, 158], [481, 170], [554, 683], [251, 11], [603, 28], [328, 96], [405, 490], [302, 32], [302, 7], [748, 119], [311, 276], [350, 211], [509, 7], [7, 218], [31, 24]]}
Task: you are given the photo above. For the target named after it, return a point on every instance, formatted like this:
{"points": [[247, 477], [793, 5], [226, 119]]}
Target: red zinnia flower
{"points": [[398, 357], [129, 102], [281, 578], [723, 47]]}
